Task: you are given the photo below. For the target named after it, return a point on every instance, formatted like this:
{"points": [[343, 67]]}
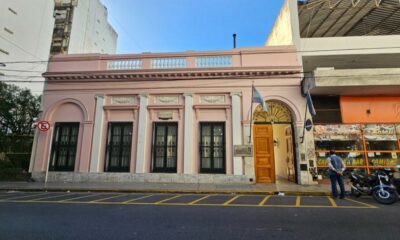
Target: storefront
{"points": [[367, 138]]}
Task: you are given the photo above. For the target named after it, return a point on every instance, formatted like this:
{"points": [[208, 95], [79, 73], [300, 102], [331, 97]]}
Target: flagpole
{"points": [[305, 119], [251, 110]]}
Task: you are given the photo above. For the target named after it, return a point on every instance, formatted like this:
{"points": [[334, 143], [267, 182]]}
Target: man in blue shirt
{"points": [[336, 169]]}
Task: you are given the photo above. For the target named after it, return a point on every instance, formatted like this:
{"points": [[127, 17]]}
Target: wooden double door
{"points": [[264, 162]]}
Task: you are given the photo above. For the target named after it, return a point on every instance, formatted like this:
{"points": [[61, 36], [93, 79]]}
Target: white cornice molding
{"points": [[174, 74]]}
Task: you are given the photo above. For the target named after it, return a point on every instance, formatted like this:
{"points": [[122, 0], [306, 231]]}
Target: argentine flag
{"points": [[257, 98], [310, 104]]}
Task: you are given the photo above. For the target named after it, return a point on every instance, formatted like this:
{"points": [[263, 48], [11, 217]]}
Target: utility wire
{"points": [[304, 51], [23, 76], [15, 62], [22, 49], [19, 70]]}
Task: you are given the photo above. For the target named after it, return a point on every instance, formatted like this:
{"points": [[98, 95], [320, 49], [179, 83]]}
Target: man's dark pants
{"points": [[337, 178]]}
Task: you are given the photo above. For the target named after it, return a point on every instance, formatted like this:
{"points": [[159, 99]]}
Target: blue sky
{"points": [[181, 25]]}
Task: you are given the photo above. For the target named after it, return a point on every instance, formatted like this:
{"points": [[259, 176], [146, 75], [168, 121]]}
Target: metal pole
{"points": [[251, 110], [234, 40], [49, 156], [304, 127]]}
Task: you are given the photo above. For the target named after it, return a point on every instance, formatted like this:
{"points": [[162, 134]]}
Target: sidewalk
{"points": [[286, 188]]}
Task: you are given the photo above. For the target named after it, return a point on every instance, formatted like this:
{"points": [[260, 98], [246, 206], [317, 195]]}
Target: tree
{"points": [[18, 108]]}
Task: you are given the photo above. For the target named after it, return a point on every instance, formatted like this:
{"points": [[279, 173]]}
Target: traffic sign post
{"points": [[43, 126]]}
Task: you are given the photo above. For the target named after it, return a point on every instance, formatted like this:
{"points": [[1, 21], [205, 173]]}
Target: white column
{"points": [[237, 131], [97, 134], [188, 137], [142, 127]]}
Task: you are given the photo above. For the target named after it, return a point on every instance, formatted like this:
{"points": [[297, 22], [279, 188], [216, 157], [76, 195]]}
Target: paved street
{"points": [[78, 215]]}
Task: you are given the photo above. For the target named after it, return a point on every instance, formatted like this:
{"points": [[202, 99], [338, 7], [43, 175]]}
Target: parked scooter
{"points": [[376, 184]]}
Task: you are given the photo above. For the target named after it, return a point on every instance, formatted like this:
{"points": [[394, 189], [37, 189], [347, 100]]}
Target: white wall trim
{"points": [[97, 134], [188, 137], [237, 131], [141, 140]]}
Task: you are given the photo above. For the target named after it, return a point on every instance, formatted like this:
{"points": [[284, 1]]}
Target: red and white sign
{"points": [[43, 126]]}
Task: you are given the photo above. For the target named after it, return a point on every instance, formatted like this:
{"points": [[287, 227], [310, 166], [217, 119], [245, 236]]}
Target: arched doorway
{"points": [[274, 156], [66, 117]]}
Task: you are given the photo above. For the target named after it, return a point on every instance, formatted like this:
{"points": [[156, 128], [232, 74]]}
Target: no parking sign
{"points": [[43, 126]]}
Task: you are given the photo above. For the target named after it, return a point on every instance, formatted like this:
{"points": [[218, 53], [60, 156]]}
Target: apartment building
{"points": [[31, 31], [25, 38], [82, 27]]}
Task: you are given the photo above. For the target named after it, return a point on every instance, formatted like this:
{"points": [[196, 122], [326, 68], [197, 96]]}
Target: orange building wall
{"points": [[370, 109]]}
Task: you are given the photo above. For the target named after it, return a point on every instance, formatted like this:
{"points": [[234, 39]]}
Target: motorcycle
{"points": [[394, 177], [376, 184]]}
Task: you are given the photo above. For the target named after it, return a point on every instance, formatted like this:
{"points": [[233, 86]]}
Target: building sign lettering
{"points": [[243, 151]]}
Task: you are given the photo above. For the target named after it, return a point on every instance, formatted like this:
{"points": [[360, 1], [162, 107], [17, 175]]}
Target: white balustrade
{"points": [[213, 61], [164, 63], [124, 64], [168, 63]]}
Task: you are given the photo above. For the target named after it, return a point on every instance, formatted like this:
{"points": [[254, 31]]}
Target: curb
{"points": [[171, 191]]}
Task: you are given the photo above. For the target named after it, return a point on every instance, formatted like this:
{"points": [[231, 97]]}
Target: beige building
{"points": [[350, 53]]}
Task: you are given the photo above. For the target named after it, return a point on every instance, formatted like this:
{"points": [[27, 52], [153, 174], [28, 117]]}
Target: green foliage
{"points": [[8, 172], [20, 160], [16, 143], [18, 108]]}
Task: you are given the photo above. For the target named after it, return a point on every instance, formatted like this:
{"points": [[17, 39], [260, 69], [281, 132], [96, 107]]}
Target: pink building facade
{"points": [[174, 117]]}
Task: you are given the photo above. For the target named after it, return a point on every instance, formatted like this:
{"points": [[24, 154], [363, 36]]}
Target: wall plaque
{"points": [[212, 99], [123, 100], [167, 100], [243, 150]]}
